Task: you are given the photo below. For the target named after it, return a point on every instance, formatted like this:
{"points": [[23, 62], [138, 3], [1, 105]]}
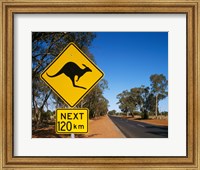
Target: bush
{"points": [[112, 112], [45, 116], [165, 113], [136, 113]]}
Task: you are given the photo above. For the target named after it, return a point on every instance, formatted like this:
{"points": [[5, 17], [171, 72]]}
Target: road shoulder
{"points": [[103, 127]]}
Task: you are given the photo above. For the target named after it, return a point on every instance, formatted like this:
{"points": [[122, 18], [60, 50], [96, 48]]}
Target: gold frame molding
{"points": [[11, 7]]}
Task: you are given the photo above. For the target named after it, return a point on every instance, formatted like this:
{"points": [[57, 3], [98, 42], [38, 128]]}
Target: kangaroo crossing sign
{"points": [[71, 75]]}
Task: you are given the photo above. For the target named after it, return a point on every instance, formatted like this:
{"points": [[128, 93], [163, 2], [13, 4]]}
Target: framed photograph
{"points": [[94, 84]]}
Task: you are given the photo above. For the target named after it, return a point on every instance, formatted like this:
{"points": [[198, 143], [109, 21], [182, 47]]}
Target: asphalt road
{"points": [[135, 129]]}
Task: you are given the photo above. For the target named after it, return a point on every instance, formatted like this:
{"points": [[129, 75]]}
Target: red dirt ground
{"points": [[101, 127]]}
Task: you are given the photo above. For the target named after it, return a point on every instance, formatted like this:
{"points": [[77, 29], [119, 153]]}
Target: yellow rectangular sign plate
{"points": [[72, 121]]}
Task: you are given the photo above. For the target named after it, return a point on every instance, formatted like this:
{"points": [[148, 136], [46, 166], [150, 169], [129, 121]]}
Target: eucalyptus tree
{"points": [[159, 88], [126, 102], [143, 98]]}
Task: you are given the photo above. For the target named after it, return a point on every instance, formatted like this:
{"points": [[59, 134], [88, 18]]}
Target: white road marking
{"points": [[140, 125]]}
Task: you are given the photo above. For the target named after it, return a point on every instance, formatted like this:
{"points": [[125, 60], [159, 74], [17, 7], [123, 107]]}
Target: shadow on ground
{"points": [[159, 132], [47, 132]]}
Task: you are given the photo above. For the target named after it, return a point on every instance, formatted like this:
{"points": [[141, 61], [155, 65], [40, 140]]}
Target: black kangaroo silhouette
{"points": [[71, 70]]}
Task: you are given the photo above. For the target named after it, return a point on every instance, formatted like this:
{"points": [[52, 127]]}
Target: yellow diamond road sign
{"points": [[71, 75]]}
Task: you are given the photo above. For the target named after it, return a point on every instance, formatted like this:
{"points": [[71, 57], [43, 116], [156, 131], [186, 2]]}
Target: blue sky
{"points": [[128, 59]]}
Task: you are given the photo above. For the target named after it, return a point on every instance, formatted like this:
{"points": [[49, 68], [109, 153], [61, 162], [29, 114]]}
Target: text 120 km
{"points": [[72, 121]]}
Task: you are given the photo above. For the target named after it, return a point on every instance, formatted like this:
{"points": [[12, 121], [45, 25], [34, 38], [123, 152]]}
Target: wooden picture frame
{"points": [[11, 7]]}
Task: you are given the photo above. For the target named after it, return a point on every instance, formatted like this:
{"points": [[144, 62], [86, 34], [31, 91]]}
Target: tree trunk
{"points": [[38, 118], [82, 103], [156, 112], [34, 108], [38, 111]]}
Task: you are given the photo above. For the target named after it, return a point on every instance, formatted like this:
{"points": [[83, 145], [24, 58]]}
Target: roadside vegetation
{"points": [[144, 101]]}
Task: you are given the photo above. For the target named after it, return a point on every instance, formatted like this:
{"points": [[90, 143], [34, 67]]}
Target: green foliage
{"points": [[95, 101], [144, 99], [136, 112], [46, 114], [126, 102], [150, 103], [159, 85], [112, 112], [164, 113], [133, 100]]}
